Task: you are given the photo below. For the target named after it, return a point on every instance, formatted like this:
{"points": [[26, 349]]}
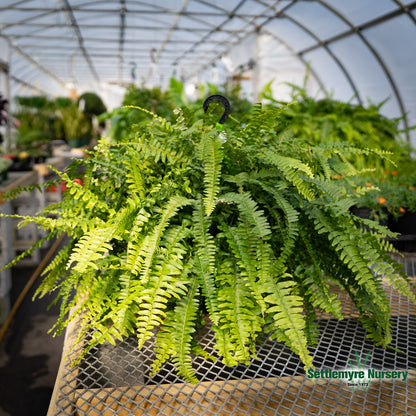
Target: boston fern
{"points": [[181, 226]]}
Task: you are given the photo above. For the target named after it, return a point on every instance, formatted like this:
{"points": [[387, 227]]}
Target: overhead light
{"points": [[190, 89], [70, 86]]}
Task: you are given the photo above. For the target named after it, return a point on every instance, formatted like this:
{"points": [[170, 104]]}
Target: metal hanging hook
{"points": [[223, 101]]}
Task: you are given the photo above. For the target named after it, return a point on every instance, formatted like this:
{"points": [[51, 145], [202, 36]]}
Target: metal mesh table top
{"points": [[114, 380]]}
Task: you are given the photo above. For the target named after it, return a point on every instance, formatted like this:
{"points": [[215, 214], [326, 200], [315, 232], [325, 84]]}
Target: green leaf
{"points": [[213, 156]]}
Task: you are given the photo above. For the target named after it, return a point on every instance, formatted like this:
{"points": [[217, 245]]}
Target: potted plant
{"points": [[183, 226], [38, 124], [91, 104], [332, 121], [392, 200], [76, 125], [388, 166]]}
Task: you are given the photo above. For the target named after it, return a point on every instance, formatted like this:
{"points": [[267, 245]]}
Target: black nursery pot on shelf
{"points": [[406, 226], [365, 212], [22, 165], [362, 212]]}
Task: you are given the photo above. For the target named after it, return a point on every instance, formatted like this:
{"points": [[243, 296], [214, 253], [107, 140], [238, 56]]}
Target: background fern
{"points": [[176, 228]]}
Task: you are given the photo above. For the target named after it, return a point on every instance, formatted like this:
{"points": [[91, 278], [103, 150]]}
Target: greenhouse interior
{"points": [[207, 207]]}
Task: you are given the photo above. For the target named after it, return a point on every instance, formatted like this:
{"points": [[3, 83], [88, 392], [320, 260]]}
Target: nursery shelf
{"points": [[114, 380]]}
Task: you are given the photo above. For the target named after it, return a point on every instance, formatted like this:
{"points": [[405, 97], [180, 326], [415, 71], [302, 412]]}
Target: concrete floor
{"points": [[29, 356]]}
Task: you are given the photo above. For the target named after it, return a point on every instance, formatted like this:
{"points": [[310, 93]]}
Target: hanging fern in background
{"points": [[175, 228]]}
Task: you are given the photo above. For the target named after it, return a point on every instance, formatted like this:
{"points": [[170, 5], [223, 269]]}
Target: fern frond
{"points": [[291, 217], [245, 257], [151, 241], [323, 161], [184, 326], [29, 251], [287, 311], [164, 347], [134, 244], [204, 261], [93, 246], [261, 122], [106, 166], [264, 258], [71, 281], [54, 272], [318, 292], [212, 158], [15, 192], [374, 313], [317, 288], [204, 240], [348, 251], [163, 122], [384, 267], [238, 316], [153, 149], [207, 283], [134, 176], [249, 210], [291, 168], [64, 225], [93, 300], [152, 298], [124, 315], [167, 279], [225, 349], [262, 176], [89, 200]]}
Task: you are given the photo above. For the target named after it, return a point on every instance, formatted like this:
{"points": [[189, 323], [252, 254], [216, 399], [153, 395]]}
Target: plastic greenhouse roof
{"points": [[358, 50]]}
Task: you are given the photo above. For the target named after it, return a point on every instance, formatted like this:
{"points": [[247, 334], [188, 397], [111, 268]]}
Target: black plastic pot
{"points": [[22, 165], [362, 212], [406, 226], [365, 212]]}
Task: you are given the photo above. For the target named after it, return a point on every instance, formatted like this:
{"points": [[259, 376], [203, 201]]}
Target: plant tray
{"points": [[114, 380]]}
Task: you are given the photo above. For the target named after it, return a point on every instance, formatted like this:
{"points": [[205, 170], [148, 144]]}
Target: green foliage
{"points": [[155, 100], [41, 120], [92, 104], [36, 125], [74, 122], [177, 226], [173, 105], [331, 121], [390, 194], [4, 164], [387, 166], [37, 101]]}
